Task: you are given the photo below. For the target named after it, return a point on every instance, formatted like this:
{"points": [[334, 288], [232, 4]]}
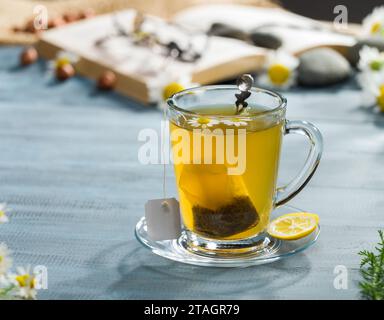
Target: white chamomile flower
{"points": [[5, 259], [165, 86], [3, 213], [371, 60], [6, 287], [202, 122], [373, 24], [24, 282], [5, 281], [237, 122], [373, 89], [62, 58], [280, 70]]}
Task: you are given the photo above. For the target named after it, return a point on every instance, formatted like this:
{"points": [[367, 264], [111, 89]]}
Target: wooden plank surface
{"points": [[69, 171]]}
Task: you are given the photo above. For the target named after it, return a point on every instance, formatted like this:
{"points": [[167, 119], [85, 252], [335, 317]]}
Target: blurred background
{"points": [[323, 10], [18, 11]]}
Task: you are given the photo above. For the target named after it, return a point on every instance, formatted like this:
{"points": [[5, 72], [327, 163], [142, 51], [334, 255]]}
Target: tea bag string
{"points": [[166, 63], [163, 152]]}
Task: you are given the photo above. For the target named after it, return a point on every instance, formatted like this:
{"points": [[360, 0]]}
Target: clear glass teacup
{"points": [[226, 167]]}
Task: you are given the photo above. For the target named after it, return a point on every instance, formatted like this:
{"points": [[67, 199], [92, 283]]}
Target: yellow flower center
{"points": [[141, 35], [380, 98], [375, 27], [1, 258], [60, 62], [2, 214], [172, 88], [24, 280], [278, 73], [203, 121], [376, 65]]}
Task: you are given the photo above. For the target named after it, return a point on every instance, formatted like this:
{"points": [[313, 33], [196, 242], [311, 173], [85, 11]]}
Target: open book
{"points": [[139, 68]]}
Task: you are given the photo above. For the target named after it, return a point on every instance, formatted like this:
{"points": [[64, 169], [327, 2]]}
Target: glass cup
{"points": [[226, 166]]}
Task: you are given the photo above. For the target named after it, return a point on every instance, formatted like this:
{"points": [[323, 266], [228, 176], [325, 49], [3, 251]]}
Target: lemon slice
{"points": [[293, 226], [303, 214]]}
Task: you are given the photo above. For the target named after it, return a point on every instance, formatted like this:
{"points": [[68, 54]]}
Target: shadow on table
{"points": [[374, 114], [143, 275], [349, 84], [379, 120], [93, 96], [77, 90]]}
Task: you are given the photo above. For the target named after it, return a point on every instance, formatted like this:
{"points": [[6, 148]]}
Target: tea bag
{"points": [[221, 206], [209, 185], [235, 217], [163, 219]]}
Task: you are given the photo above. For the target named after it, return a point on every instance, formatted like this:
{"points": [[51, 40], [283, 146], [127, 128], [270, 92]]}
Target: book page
{"points": [[297, 32], [118, 53]]}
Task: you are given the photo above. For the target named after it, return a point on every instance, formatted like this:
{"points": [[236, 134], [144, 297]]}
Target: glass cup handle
{"points": [[286, 193]]}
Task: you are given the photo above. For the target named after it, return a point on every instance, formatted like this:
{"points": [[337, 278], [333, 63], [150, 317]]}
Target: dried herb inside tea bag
{"points": [[237, 216], [209, 186]]}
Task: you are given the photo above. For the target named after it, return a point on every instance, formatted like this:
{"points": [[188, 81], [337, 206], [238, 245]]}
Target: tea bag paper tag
{"points": [[163, 219]]}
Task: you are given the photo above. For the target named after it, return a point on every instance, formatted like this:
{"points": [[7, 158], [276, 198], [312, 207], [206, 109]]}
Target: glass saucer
{"points": [[174, 250]]}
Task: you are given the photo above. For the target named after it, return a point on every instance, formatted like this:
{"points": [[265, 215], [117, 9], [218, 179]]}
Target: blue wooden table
{"points": [[69, 171]]}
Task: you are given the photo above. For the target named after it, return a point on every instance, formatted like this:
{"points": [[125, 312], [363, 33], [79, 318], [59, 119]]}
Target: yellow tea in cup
{"points": [[214, 203]]}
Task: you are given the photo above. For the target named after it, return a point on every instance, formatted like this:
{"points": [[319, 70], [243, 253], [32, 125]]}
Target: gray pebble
{"points": [[265, 39], [259, 38], [224, 30], [353, 52], [322, 66]]}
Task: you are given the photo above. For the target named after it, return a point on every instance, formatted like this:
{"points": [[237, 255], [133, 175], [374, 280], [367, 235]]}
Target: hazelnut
{"points": [[65, 72], [56, 22], [30, 27], [28, 56], [17, 29], [70, 17], [107, 81], [87, 13]]}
